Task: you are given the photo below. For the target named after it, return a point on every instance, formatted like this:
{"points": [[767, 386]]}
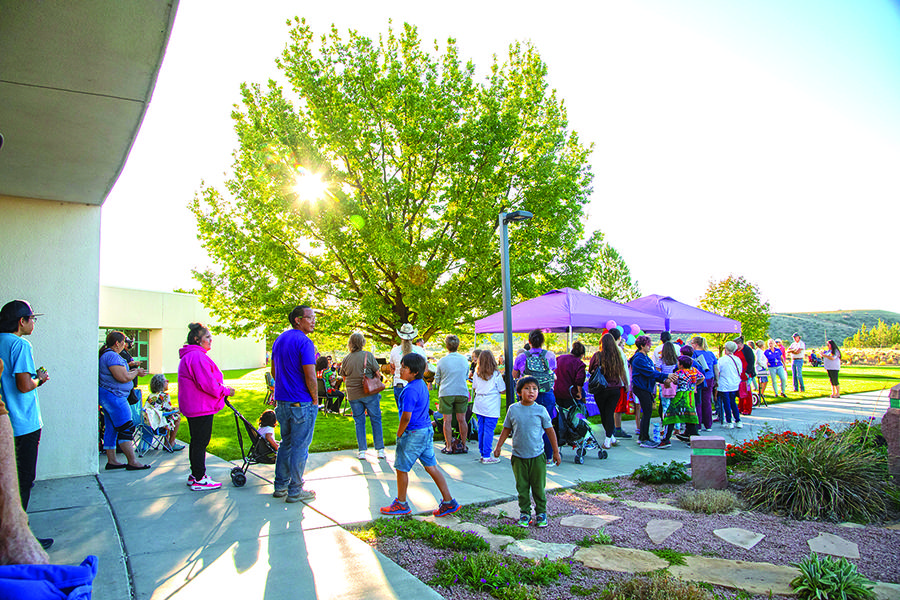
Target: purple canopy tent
{"points": [[682, 318], [568, 310]]}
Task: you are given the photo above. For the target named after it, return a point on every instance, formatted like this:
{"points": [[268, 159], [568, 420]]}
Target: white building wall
{"points": [[49, 256], [167, 315]]}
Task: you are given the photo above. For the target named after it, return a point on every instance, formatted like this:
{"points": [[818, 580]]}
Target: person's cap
{"points": [[129, 341], [796, 335], [407, 332], [15, 310]]}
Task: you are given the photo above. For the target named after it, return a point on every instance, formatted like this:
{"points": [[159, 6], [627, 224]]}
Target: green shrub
{"points": [[709, 501], [672, 472], [673, 557], [819, 478], [601, 537], [501, 576], [433, 535], [598, 487], [513, 531], [828, 578], [655, 587]]}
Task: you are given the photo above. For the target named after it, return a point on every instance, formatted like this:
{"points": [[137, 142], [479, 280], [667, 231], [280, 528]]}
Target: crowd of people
{"points": [[695, 389]]}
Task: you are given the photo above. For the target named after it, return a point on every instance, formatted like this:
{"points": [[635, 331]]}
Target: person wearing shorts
{"points": [[450, 379], [415, 440]]}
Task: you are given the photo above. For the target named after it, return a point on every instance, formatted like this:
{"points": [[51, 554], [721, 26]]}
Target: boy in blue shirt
{"points": [[415, 439], [528, 422]]}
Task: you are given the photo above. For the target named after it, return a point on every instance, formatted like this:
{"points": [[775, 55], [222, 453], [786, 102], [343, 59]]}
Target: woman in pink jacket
{"points": [[201, 394]]}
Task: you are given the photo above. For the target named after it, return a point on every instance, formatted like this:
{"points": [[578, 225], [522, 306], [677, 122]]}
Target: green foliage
{"points": [[672, 556], [513, 531], [881, 335], [599, 538], [433, 535], [657, 586], [736, 298], [611, 278], [709, 501], [418, 159], [830, 579], [824, 477], [672, 472], [497, 574], [580, 590], [598, 487]]}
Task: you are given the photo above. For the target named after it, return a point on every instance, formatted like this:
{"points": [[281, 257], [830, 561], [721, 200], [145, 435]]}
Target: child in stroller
{"points": [[815, 360], [259, 451], [573, 429]]}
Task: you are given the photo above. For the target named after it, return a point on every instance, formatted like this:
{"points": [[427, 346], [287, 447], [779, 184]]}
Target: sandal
{"points": [[446, 451]]}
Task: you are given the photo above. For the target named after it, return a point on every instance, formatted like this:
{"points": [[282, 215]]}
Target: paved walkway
{"points": [[157, 539]]}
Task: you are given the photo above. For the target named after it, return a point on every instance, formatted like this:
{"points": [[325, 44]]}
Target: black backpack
{"points": [[537, 366]]}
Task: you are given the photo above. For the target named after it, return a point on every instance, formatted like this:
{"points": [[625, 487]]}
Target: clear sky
{"points": [[755, 138]]}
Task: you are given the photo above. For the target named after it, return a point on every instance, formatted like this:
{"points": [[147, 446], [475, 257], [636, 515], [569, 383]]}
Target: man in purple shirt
{"points": [[540, 364], [570, 374], [296, 403]]}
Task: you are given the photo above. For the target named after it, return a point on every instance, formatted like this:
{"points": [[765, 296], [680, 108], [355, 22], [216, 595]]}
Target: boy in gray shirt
{"points": [[527, 422]]}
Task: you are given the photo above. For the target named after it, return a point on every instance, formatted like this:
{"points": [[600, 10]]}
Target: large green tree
{"points": [[736, 298], [611, 278], [418, 158]]}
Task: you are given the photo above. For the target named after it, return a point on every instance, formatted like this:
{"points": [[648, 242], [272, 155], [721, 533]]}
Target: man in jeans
{"points": [[296, 403], [453, 392], [797, 350]]}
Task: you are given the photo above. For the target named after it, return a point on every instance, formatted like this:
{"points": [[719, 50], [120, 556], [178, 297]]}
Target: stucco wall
{"points": [[49, 256], [166, 315]]}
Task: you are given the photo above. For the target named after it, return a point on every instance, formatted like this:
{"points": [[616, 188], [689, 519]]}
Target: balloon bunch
{"points": [[629, 332]]}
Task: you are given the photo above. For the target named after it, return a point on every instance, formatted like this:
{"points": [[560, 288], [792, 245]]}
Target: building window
{"points": [[141, 348]]}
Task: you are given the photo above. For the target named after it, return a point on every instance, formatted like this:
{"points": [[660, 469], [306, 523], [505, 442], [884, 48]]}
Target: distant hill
{"points": [[817, 327]]}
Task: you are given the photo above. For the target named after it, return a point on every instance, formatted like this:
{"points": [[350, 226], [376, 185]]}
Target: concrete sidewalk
{"points": [[158, 539]]}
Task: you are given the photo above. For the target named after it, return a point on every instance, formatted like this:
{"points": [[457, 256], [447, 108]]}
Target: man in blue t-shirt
{"points": [[415, 440], [20, 381], [296, 403]]}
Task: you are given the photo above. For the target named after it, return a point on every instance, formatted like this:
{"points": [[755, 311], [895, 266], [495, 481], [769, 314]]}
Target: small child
{"points": [[415, 439], [487, 383], [159, 398], [266, 429], [682, 408], [527, 422]]}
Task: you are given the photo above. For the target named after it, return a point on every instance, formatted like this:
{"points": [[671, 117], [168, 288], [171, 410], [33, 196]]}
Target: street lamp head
{"points": [[518, 215]]}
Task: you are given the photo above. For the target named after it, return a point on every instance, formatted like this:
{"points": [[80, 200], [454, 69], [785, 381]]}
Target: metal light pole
{"points": [[504, 220]]}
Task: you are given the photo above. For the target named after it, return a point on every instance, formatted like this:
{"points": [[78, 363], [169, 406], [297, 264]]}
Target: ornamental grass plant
{"points": [[826, 578], [709, 501], [828, 477]]}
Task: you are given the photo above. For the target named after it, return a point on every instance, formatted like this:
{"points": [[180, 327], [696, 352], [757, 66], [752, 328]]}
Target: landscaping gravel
{"points": [[785, 539]]}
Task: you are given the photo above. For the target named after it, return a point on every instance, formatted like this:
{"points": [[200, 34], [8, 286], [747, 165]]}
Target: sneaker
{"points": [[446, 508], [621, 433], [739, 425], [396, 508], [361, 455], [648, 444], [524, 521], [381, 454], [541, 520], [206, 483], [46, 543], [550, 463], [490, 460], [301, 495], [279, 493], [729, 425], [684, 438], [664, 445], [607, 444], [190, 480]]}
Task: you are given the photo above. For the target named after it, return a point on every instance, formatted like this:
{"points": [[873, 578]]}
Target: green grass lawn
{"points": [[336, 432]]}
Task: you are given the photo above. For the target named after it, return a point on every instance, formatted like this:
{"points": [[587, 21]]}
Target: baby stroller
{"points": [[259, 450], [573, 429], [815, 360]]}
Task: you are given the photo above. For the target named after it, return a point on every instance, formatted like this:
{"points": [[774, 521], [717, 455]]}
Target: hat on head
{"points": [[407, 332], [796, 335], [15, 310]]}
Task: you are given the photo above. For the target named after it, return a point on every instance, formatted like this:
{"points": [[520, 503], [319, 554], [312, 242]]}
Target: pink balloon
{"points": [[611, 324], [635, 329]]}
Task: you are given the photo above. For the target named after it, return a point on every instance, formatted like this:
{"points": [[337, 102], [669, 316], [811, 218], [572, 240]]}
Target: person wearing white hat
{"points": [[407, 334]]}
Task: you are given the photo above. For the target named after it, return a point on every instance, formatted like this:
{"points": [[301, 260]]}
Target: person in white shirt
{"points": [[796, 351], [728, 374], [487, 385]]}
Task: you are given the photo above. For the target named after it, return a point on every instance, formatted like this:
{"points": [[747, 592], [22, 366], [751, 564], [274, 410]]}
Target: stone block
{"points": [[535, 549], [828, 543], [743, 538], [890, 429], [622, 560], [753, 577], [588, 521], [708, 468], [658, 530]]}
